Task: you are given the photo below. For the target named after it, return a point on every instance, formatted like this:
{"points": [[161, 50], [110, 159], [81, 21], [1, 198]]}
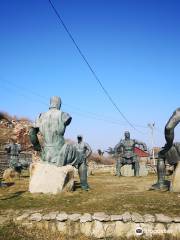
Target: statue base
{"points": [[47, 178], [163, 186], [128, 171], [175, 184]]}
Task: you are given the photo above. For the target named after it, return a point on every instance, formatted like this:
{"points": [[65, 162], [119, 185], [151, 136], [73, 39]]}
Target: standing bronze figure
{"points": [[170, 152]]}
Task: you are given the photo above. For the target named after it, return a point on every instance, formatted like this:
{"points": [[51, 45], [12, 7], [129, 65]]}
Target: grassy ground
{"points": [[111, 194]]}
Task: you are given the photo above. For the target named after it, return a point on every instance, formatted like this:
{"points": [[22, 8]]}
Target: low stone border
{"points": [[101, 225]]}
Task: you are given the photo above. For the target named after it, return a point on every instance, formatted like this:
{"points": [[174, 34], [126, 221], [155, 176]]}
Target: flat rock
{"points": [[175, 185], [22, 217], [149, 218], [50, 216], [137, 218], [101, 216], [116, 217], [35, 217], [176, 219], [86, 218], [74, 217], [62, 217], [161, 218], [46, 178], [126, 217]]}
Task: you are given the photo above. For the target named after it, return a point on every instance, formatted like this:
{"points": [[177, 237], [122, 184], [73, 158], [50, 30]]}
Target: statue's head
{"points": [[127, 135], [79, 138], [55, 102]]}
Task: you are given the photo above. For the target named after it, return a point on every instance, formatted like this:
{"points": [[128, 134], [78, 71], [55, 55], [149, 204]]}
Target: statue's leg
{"points": [[136, 166], [161, 172], [82, 170]]}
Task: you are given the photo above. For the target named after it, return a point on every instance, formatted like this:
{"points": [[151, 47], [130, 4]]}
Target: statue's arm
{"points": [[169, 132], [34, 138], [170, 126], [88, 150], [66, 118], [118, 148], [110, 150]]}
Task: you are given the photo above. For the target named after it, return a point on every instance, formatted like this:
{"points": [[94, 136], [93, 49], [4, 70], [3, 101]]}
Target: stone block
{"points": [[35, 217], [50, 216], [86, 228], [98, 230], [116, 217], [62, 216], [137, 218], [124, 229], [126, 217], [101, 216], [62, 227], [174, 229], [74, 217], [46, 178], [86, 218], [175, 185], [128, 171], [22, 217], [109, 229], [161, 218], [149, 218]]}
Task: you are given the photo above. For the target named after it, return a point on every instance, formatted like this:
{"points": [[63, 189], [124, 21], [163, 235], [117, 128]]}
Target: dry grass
{"points": [[111, 194]]}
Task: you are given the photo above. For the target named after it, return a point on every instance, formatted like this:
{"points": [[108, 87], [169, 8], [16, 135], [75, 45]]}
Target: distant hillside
{"points": [[14, 127]]}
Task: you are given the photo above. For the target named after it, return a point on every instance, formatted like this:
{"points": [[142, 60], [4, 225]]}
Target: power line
{"points": [[81, 111], [90, 68], [78, 111]]}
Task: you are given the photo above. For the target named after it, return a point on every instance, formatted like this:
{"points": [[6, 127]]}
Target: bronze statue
{"points": [[52, 125], [170, 152], [84, 151], [54, 150], [124, 151]]}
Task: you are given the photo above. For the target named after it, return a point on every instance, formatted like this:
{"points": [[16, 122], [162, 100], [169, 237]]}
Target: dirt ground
{"points": [[110, 194]]}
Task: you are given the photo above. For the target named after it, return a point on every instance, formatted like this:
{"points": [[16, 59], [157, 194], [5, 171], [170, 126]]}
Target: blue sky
{"points": [[133, 45]]}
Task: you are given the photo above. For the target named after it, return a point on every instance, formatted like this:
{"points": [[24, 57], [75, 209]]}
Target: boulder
{"points": [[128, 171], [46, 178], [175, 185]]}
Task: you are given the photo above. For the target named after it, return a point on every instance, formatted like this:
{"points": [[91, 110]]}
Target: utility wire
{"points": [[77, 111], [90, 68]]}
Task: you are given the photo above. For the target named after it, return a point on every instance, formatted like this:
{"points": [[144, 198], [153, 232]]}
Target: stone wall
{"points": [[100, 225]]}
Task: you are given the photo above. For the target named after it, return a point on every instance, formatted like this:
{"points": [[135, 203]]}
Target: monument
{"points": [[170, 153], [127, 162], [84, 151], [58, 158]]}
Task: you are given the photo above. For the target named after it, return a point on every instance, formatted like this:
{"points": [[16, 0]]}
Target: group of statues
{"points": [[52, 125], [54, 150]]}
